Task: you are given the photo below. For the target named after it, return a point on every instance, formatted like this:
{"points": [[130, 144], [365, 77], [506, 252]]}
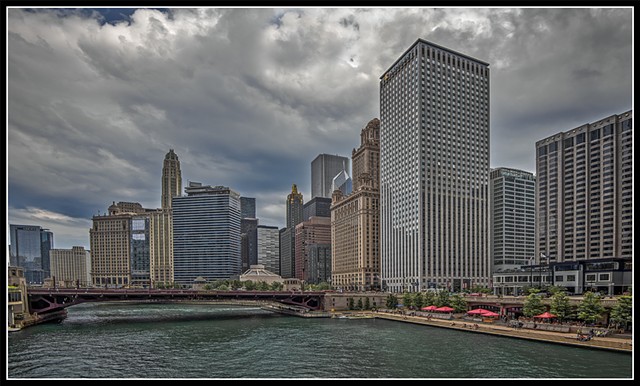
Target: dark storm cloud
{"points": [[249, 97]]}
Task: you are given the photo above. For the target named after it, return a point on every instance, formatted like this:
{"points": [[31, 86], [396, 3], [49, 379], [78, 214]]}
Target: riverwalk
{"points": [[604, 343]]}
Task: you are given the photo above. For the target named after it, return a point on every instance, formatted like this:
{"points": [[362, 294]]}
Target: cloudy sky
{"points": [[247, 98]]}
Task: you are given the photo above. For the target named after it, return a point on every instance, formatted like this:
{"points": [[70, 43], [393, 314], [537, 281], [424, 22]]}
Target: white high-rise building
{"points": [[434, 170]]}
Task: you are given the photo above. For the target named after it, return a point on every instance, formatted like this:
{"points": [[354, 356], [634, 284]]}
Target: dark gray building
{"points": [[248, 242], [318, 207], [319, 263], [287, 252], [140, 252], [247, 207], [324, 168]]}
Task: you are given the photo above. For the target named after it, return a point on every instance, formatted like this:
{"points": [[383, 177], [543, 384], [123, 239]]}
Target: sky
{"points": [[247, 98]]}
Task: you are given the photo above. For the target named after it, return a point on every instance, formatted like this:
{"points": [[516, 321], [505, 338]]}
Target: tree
{"points": [[407, 299], [360, 305], [429, 299], [350, 303], [276, 286], [442, 299], [458, 303], [418, 300], [367, 304], [590, 308], [262, 286], [223, 287], [532, 304], [323, 286], [391, 301], [560, 306], [249, 285], [621, 312]]}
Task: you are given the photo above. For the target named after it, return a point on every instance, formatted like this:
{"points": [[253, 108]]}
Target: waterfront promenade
{"points": [[606, 343]]}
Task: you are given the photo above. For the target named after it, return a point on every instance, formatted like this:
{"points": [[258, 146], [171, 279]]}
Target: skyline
{"points": [[244, 102]]}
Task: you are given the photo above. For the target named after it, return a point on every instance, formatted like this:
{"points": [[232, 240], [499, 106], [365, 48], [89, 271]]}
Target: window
{"points": [[571, 277], [568, 143], [580, 138], [591, 277], [604, 277], [595, 135], [559, 278]]}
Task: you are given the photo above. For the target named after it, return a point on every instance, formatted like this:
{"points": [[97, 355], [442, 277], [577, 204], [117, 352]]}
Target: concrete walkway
{"points": [[605, 343]]}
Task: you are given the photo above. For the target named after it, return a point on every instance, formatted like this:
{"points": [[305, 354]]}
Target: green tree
{"points": [[367, 304], [323, 286], [350, 303], [533, 304], [249, 285], [407, 299], [429, 299], [458, 303], [276, 286], [223, 287], [262, 286], [418, 300], [590, 308], [554, 289], [442, 299], [560, 306], [360, 305], [391, 301], [621, 312]]}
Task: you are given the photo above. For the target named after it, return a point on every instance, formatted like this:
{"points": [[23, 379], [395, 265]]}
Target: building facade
{"points": [[110, 240], [161, 247], [316, 207], [584, 204], [268, 247], [71, 267], [512, 218], [434, 170], [355, 219], [171, 179], [248, 242], [323, 169], [287, 252], [295, 212], [206, 234], [247, 207], [315, 231], [29, 249]]}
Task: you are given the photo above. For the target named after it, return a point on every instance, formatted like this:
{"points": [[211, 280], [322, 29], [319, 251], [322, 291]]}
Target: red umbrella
{"points": [[490, 314], [429, 308], [444, 309], [546, 315], [478, 311]]}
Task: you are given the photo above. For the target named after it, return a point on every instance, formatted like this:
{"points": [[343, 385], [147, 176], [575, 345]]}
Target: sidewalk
{"points": [[605, 343]]}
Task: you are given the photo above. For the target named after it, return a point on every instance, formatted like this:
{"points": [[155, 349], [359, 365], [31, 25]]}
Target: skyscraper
{"points": [[295, 211], [171, 178], [512, 218], [316, 207], [161, 247], [206, 234], [29, 249], [323, 170], [434, 170], [355, 219], [268, 247], [585, 188], [247, 207], [71, 267], [308, 236]]}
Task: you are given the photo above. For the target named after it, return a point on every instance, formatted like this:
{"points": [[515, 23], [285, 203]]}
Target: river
{"points": [[115, 340]]}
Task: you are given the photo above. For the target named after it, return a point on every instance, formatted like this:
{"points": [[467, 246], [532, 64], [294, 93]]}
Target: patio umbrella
{"points": [[444, 309], [478, 311], [490, 314], [429, 308], [546, 315]]}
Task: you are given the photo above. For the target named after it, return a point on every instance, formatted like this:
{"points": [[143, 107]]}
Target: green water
{"points": [[110, 340]]}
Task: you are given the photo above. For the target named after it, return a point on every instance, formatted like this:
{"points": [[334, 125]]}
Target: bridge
{"points": [[44, 301]]}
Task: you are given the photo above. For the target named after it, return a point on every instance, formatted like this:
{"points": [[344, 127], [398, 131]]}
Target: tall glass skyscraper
{"points": [[206, 233], [30, 246], [434, 170]]}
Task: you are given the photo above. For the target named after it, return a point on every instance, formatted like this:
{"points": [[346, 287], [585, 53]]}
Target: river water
{"points": [[114, 340]]}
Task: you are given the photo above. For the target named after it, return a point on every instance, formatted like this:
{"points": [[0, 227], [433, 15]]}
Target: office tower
{"points": [[323, 169], [248, 242], [247, 207], [434, 170], [140, 251], [287, 252], [318, 268], [71, 267], [355, 219], [316, 207], [512, 218], [342, 182], [111, 245], [29, 249], [161, 247], [584, 196], [294, 207], [268, 247], [206, 234], [317, 230], [171, 179]]}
